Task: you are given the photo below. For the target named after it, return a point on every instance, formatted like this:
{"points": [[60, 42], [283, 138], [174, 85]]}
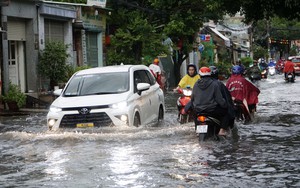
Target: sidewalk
{"points": [[22, 111]]}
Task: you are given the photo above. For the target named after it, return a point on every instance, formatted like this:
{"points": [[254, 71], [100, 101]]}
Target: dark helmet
{"points": [[236, 69], [195, 68], [214, 71]]}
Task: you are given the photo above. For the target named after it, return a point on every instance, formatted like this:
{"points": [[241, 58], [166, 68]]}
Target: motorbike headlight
{"points": [[55, 109], [187, 92], [119, 105]]}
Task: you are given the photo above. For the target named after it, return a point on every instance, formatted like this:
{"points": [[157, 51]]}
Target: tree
{"points": [[143, 25], [52, 62], [134, 38], [255, 10]]}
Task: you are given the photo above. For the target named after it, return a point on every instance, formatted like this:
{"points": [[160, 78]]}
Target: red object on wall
{"points": [[107, 40]]}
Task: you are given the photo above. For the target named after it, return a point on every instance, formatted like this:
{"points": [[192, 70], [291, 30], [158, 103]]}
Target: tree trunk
{"points": [[178, 59], [52, 84]]}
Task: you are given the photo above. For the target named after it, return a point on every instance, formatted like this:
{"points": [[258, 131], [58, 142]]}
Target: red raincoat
{"points": [[241, 89], [289, 67]]}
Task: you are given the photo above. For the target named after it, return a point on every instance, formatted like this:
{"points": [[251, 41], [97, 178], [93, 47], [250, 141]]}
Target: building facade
{"points": [[26, 26]]}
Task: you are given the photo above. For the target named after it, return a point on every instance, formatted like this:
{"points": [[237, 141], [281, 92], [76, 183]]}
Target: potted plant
{"points": [[14, 98], [52, 62]]}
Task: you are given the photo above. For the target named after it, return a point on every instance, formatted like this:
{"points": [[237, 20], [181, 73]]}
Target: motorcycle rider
{"points": [[289, 67], [243, 91], [207, 97], [279, 65], [156, 71], [189, 79], [254, 70], [228, 120]]}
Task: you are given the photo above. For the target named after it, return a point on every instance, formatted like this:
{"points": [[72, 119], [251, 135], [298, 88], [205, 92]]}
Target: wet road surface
{"points": [[264, 153]]}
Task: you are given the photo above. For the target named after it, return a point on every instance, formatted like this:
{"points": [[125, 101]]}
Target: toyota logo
{"points": [[84, 111]]}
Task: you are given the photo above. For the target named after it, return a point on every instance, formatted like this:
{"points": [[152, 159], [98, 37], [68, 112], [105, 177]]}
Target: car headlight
{"points": [[55, 109], [119, 105]]}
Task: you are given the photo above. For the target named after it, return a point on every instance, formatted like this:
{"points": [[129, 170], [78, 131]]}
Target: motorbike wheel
{"points": [[183, 118], [202, 137]]}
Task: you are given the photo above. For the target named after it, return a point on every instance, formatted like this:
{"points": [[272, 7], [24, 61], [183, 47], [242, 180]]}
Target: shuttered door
{"points": [[16, 30], [54, 30], [92, 49]]}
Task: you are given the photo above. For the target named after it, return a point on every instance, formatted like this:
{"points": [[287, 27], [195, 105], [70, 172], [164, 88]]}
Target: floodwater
{"points": [[264, 153]]}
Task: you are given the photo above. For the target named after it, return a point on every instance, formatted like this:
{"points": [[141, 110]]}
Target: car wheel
{"points": [[160, 113], [136, 120]]}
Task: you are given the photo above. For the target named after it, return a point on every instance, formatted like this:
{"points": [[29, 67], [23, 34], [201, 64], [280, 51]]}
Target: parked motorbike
{"points": [[182, 101], [290, 77], [207, 127]]}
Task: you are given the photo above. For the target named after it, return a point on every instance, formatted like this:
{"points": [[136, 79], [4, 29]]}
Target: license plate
{"points": [[290, 76], [84, 125], [201, 129]]}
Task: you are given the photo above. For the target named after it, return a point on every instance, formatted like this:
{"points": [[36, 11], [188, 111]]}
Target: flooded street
{"points": [[264, 153]]}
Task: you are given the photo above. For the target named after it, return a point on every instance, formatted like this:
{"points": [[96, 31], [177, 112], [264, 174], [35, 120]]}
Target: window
{"points": [[141, 76]]}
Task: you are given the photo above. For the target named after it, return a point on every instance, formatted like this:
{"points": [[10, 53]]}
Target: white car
{"points": [[106, 96]]}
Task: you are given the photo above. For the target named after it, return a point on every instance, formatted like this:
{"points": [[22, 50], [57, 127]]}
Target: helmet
{"points": [[204, 71], [236, 69], [156, 61], [214, 71]]}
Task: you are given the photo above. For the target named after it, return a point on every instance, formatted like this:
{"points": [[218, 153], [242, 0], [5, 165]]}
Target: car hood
{"points": [[93, 100]]}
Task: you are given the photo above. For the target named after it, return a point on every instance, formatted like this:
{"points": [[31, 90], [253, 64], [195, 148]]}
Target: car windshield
{"points": [[296, 60], [98, 84]]}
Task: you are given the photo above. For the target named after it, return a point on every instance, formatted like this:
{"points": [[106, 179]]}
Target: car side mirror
{"points": [[57, 92], [142, 87]]}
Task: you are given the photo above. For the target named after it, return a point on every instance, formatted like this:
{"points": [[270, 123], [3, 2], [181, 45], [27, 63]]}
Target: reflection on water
{"points": [[264, 153]]}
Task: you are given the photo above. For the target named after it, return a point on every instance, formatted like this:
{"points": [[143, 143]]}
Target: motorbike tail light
{"points": [[201, 118]]}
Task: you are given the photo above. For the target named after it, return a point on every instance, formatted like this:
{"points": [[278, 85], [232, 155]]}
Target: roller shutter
{"points": [[16, 30]]}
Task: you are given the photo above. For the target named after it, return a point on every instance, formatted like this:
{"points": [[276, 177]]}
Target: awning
{"points": [[226, 40]]}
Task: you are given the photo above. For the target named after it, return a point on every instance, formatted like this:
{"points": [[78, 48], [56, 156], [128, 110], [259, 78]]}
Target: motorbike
{"points": [[272, 70], [243, 111], [207, 127], [255, 77], [264, 74], [290, 77], [182, 101], [279, 67], [264, 70]]}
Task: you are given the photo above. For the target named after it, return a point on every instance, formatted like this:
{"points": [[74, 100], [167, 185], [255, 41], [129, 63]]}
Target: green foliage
{"points": [[207, 54], [134, 39], [255, 10], [259, 52], [224, 69], [246, 61], [70, 70], [15, 94], [293, 51], [52, 62], [72, 1]]}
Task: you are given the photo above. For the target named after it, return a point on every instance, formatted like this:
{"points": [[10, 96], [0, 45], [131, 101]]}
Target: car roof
{"points": [[294, 57], [113, 68]]}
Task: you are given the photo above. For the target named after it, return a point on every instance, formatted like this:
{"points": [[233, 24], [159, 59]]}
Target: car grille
{"points": [[99, 119]]}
